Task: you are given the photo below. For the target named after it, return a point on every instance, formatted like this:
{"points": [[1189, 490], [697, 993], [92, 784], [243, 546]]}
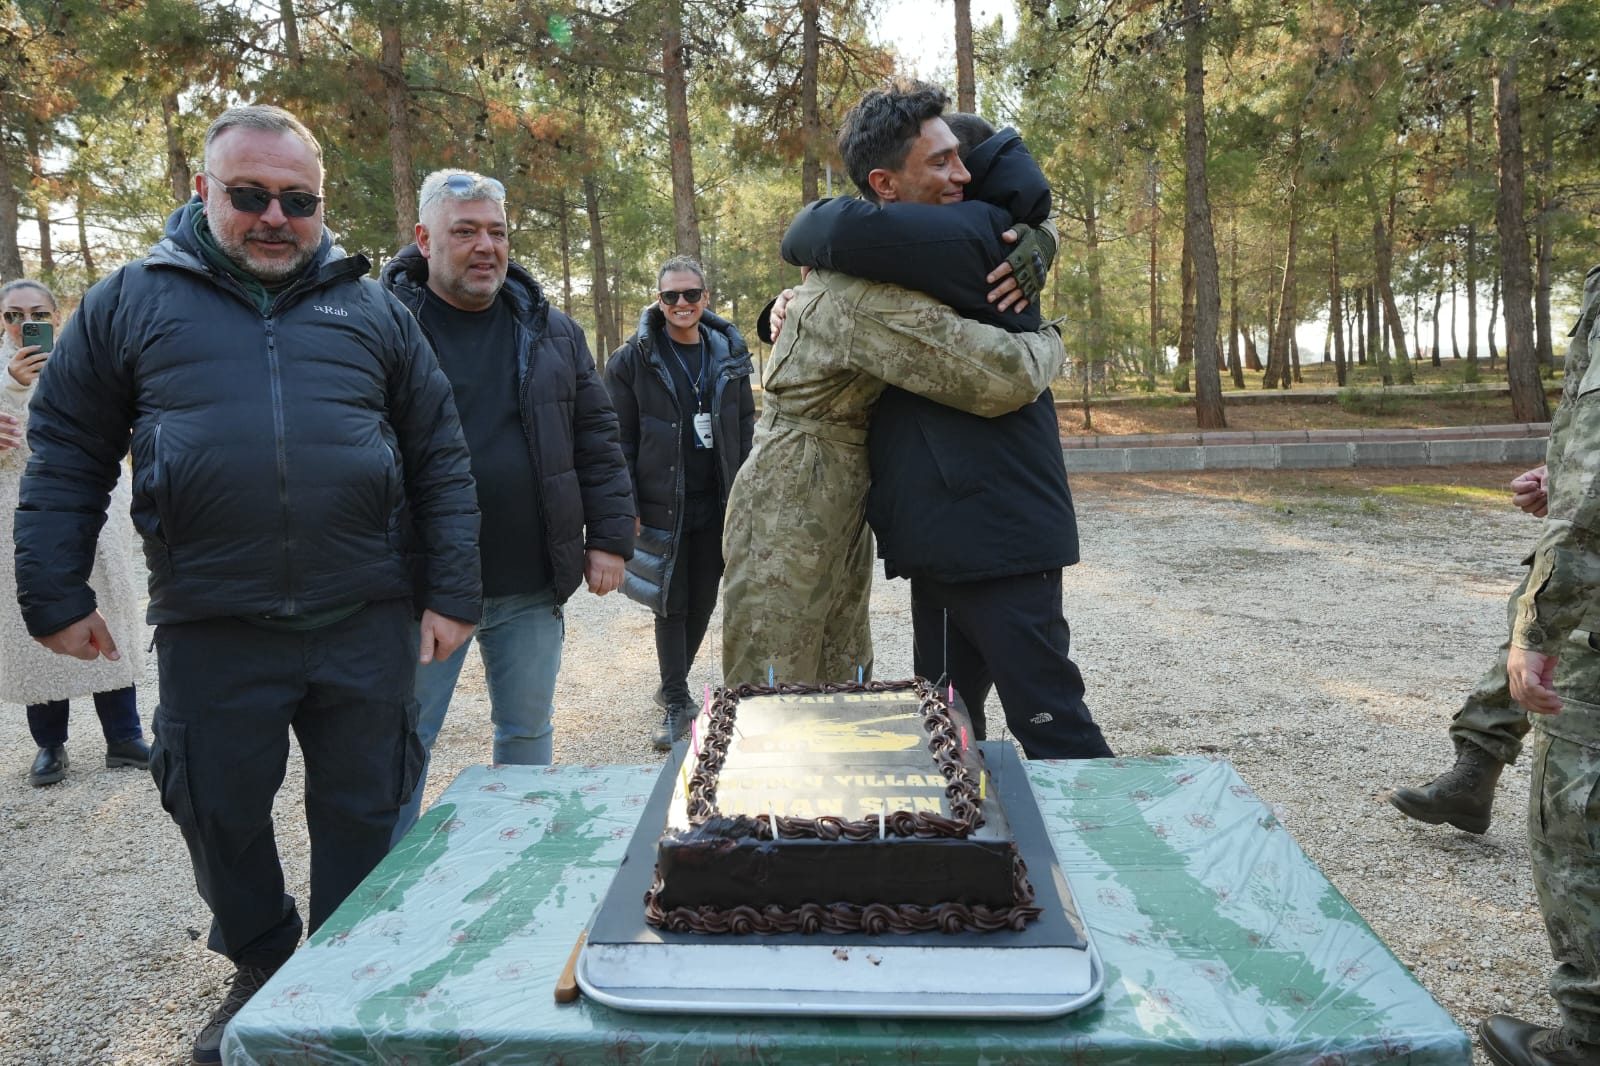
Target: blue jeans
{"points": [[519, 640]]}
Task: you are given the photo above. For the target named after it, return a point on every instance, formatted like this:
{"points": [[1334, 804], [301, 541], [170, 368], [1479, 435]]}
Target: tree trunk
{"points": [[1522, 370], [1185, 316], [10, 254], [1438, 299], [1471, 264], [1336, 311], [1278, 370], [179, 178], [291, 32], [397, 101], [563, 211], [1377, 339], [1235, 370], [1252, 357], [1494, 317], [810, 112], [1383, 256], [1095, 355], [1200, 235], [90, 273], [1158, 360], [966, 86], [39, 193], [598, 275], [685, 217]]}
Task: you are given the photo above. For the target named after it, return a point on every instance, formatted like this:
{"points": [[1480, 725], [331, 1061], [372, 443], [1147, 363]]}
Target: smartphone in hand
{"points": [[41, 333]]}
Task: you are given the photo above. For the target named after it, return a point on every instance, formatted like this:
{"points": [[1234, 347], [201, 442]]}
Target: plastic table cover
{"points": [[1222, 942]]}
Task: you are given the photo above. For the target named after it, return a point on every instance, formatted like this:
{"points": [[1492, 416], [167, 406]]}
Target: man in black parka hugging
{"points": [[975, 511]]}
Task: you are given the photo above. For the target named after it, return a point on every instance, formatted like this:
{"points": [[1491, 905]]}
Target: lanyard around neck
{"points": [[696, 381]]}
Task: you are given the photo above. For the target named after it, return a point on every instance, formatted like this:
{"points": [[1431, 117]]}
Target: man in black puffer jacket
{"points": [[975, 511], [554, 490], [291, 435]]}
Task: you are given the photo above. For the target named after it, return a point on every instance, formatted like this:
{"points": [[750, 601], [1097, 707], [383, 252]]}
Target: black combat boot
{"points": [[1511, 1041], [1463, 795], [244, 984]]}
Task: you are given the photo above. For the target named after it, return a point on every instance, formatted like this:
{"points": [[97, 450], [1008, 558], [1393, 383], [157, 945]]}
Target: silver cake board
{"points": [[1048, 969]]}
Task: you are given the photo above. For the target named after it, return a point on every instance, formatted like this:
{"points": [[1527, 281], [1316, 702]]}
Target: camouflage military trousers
{"points": [[1564, 837], [798, 558], [1490, 718]]}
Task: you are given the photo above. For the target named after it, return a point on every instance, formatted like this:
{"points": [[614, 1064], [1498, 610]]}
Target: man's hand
{"points": [[1530, 673], [780, 308], [88, 638], [1007, 292], [1530, 491], [441, 636], [10, 432], [602, 570]]}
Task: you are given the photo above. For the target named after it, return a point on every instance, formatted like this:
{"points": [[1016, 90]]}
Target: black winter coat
{"points": [[282, 464], [647, 409], [583, 486], [954, 497]]}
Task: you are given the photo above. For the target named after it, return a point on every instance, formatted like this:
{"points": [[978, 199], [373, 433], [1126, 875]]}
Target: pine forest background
{"points": [[1420, 179]]}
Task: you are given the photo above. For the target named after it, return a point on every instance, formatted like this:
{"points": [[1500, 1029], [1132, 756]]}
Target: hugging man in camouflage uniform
{"points": [[798, 550], [1555, 645]]}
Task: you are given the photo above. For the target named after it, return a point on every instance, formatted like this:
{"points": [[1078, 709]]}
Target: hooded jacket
{"points": [[567, 419], [954, 497], [284, 463], [646, 399]]}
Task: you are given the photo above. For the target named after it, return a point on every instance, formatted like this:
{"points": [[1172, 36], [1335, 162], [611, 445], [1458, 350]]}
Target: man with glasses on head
{"points": [[553, 488], [299, 479]]}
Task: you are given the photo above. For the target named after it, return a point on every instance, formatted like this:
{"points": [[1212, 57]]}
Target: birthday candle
{"points": [[983, 785], [694, 736], [769, 675], [882, 814], [859, 675], [772, 820], [963, 738], [708, 699]]}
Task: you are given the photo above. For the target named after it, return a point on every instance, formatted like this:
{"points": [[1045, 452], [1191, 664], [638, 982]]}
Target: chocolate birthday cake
{"points": [[836, 808]]}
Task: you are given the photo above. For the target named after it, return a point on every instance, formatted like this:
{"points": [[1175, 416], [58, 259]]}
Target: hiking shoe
{"points": [[49, 766], [674, 726], [245, 982], [134, 753], [1462, 796], [1511, 1041]]}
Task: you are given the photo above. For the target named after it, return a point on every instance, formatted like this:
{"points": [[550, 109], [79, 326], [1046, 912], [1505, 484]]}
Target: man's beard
{"points": [[269, 270]]}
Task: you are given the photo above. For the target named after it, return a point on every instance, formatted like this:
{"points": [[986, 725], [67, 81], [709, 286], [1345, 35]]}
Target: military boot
{"points": [[1511, 1041], [1462, 795]]}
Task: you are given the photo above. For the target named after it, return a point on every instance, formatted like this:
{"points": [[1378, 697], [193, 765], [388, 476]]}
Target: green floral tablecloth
{"points": [[1222, 943]]}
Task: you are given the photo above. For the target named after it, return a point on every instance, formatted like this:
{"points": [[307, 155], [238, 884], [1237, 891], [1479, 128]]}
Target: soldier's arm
{"points": [[906, 339]]}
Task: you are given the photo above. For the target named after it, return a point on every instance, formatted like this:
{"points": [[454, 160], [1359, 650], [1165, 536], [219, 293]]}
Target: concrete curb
{"points": [[1307, 450]]}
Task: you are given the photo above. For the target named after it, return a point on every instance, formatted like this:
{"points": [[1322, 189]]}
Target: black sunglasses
{"points": [[670, 296], [254, 201], [13, 317]]}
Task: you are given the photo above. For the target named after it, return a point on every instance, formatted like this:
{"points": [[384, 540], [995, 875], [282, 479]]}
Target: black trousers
{"points": [[230, 694], [691, 598], [1008, 633]]}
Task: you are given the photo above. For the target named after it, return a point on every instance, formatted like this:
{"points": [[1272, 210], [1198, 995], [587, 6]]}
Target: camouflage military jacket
{"points": [[846, 338], [1562, 594]]}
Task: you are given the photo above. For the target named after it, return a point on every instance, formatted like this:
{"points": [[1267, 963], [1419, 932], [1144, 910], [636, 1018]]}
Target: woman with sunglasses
{"points": [[29, 673], [681, 387]]}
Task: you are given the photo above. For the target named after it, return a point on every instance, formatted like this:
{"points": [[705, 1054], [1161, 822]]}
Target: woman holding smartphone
{"points": [[29, 673], [686, 416]]}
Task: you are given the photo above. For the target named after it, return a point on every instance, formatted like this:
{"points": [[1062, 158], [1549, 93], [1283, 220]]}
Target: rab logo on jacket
{"points": [[325, 309]]}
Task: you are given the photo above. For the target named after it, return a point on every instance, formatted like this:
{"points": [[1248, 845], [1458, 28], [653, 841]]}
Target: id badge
{"points": [[702, 429]]}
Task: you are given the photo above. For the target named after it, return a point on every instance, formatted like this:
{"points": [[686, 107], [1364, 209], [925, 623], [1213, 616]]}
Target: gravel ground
{"points": [[1319, 641]]}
